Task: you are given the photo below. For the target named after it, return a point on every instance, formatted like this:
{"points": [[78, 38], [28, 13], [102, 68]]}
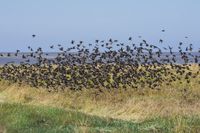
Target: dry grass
{"points": [[122, 104], [2, 129], [128, 104]]}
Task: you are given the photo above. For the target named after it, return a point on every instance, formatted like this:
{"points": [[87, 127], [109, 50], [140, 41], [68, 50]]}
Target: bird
{"points": [[96, 41], [161, 41], [52, 46], [33, 35], [72, 42]]}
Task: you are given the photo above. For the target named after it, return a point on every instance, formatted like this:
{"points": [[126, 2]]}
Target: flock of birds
{"points": [[103, 64]]}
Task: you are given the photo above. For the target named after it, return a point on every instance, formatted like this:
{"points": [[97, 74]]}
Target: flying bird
{"points": [[33, 35]]}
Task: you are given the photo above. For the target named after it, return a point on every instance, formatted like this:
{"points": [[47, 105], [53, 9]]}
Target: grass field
{"points": [[31, 119], [26, 109]]}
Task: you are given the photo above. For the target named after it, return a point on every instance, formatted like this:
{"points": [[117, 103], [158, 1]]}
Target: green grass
{"points": [[18, 118]]}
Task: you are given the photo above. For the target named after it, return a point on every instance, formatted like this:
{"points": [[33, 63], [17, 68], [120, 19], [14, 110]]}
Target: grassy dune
{"points": [[26, 109], [21, 118], [31, 119], [127, 104]]}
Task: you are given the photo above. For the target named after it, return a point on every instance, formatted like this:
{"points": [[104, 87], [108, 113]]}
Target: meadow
{"points": [[26, 109]]}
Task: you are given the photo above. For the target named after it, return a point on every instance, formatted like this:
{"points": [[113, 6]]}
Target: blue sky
{"points": [[60, 21]]}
